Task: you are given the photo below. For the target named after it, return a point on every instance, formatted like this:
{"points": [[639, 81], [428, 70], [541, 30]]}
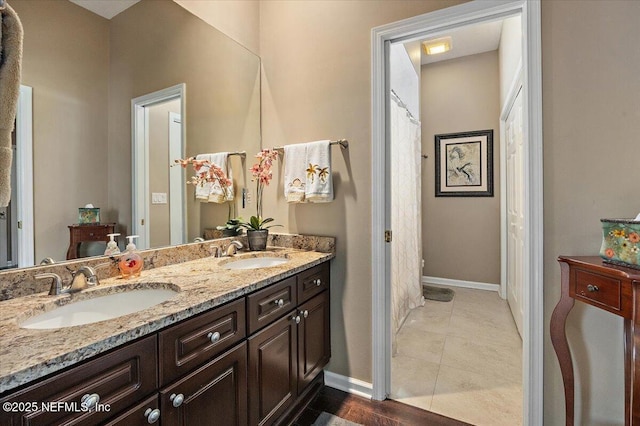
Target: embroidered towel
{"points": [[213, 192], [295, 157], [319, 184]]}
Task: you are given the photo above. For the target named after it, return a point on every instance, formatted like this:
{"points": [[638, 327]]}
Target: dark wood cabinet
{"points": [[273, 370], [80, 233], [119, 378], [253, 361], [314, 339], [214, 394]]}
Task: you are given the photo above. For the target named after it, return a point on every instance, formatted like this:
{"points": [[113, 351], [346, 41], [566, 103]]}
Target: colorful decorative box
{"points": [[621, 242], [88, 215]]}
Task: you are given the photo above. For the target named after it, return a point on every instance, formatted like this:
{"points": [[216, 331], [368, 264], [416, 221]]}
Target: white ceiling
{"points": [[105, 8], [465, 41]]}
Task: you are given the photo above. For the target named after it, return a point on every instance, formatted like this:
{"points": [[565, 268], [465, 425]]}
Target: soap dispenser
{"points": [[130, 263], [112, 246]]}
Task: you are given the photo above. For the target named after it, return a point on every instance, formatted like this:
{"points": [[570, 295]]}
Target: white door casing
{"points": [[24, 177], [176, 182]]}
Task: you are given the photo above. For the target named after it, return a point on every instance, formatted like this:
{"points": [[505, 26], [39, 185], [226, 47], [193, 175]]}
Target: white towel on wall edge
{"points": [[319, 181], [295, 157]]}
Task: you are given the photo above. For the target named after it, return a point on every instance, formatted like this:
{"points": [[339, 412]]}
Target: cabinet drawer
{"points": [[138, 414], [187, 345], [119, 378], [598, 290], [312, 282], [99, 233], [271, 303]]}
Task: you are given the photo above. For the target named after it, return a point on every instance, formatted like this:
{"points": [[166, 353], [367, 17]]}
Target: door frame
{"points": [[140, 155], [533, 324], [24, 177], [177, 204]]}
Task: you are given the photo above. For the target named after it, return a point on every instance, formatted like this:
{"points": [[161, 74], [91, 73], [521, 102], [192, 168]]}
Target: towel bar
{"points": [[344, 144]]}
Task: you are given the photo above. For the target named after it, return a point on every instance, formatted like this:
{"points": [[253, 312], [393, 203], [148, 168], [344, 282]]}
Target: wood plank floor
{"points": [[370, 413]]}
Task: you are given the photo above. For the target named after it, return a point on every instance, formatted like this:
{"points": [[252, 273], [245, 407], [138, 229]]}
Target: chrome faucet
{"points": [[233, 248], [81, 279], [198, 239], [216, 251]]}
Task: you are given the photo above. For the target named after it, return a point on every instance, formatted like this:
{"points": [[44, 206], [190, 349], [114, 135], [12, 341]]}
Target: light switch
{"points": [[158, 198]]}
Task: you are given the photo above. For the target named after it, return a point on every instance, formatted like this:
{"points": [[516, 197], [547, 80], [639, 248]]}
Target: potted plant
{"points": [[232, 228], [257, 232]]}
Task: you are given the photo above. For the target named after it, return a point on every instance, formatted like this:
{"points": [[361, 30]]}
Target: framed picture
{"points": [[464, 164]]}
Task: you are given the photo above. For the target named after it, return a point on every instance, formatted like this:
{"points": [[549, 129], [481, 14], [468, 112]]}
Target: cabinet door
{"points": [[119, 379], [273, 371], [214, 394], [314, 338]]}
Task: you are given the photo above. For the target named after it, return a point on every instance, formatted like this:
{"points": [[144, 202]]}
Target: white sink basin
{"points": [[255, 262], [99, 309]]}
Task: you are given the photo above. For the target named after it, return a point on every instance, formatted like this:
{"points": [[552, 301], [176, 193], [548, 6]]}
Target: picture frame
{"points": [[464, 164]]}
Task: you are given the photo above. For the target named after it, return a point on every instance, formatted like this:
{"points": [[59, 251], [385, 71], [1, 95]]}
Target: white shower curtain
{"points": [[406, 246]]}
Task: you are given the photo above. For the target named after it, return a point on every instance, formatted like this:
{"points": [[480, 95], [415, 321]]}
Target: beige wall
{"points": [[591, 113], [67, 66], [240, 20], [222, 94], [316, 85], [460, 235], [159, 219]]}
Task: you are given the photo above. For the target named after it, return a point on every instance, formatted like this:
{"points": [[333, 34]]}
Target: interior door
{"points": [[515, 210]]}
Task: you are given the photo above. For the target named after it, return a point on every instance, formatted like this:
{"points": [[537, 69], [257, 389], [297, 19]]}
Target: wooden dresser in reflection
{"points": [[87, 233], [615, 289]]}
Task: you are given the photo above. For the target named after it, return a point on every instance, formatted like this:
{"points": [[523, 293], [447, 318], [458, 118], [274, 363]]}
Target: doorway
{"points": [[431, 25], [158, 189]]}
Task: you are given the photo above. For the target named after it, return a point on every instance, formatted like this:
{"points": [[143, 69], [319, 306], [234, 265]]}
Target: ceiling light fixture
{"points": [[440, 45]]}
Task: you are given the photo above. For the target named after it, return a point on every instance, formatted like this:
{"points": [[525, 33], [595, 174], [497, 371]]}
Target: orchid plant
{"points": [[262, 175], [206, 172]]}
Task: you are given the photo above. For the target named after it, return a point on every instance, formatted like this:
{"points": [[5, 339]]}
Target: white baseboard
{"points": [[348, 384], [460, 283]]}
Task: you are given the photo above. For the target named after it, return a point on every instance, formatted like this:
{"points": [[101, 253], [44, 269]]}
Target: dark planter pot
{"points": [[231, 232], [257, 239]]}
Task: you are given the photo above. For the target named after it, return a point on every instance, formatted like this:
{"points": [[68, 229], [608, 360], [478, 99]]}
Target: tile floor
{"points": [[461, 359]]}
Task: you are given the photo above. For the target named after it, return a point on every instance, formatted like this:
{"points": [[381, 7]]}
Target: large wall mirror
{"points": [[85, 70]]}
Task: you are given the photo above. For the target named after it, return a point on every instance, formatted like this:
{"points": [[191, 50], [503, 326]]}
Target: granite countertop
{"points": [[27, 354]]}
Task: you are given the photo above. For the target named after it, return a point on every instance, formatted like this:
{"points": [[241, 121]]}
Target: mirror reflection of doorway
{"points": [[158, 189]]}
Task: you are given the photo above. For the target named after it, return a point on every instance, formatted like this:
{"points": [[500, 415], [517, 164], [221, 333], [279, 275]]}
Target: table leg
{"points": [[632, 366], [560, 344]]}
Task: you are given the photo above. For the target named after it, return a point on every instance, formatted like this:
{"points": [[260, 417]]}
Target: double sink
{"points": [[104, 307]]}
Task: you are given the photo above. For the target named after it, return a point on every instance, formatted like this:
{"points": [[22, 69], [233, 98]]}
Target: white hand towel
{"points": [[295, 157], [213, 192], [319, 183]]}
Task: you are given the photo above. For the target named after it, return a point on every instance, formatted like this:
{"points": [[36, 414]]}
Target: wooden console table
{"points": [[87, 233], [615, 289]]}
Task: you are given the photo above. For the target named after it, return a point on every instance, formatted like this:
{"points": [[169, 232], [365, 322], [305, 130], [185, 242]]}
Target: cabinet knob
{"points": [[296, 318], [279, 302], [177, 400], [214, 337], [90, 401], [591, 288], [317, 282], [305, 313], [152, 416]]}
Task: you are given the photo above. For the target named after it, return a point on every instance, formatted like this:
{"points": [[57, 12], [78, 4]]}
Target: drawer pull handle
{"points": [[176, 400], [592, 288], [305, 313], [317, 282], [214, 337], [152, 416], [279, 302], [296, 318], [90, 401]]}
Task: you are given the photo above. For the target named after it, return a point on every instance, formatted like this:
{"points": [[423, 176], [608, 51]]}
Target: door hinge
{"points": [[387, 236]]}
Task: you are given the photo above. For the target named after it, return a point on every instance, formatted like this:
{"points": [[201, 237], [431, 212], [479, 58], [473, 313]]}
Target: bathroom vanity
{"points": [[234, 347]]}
